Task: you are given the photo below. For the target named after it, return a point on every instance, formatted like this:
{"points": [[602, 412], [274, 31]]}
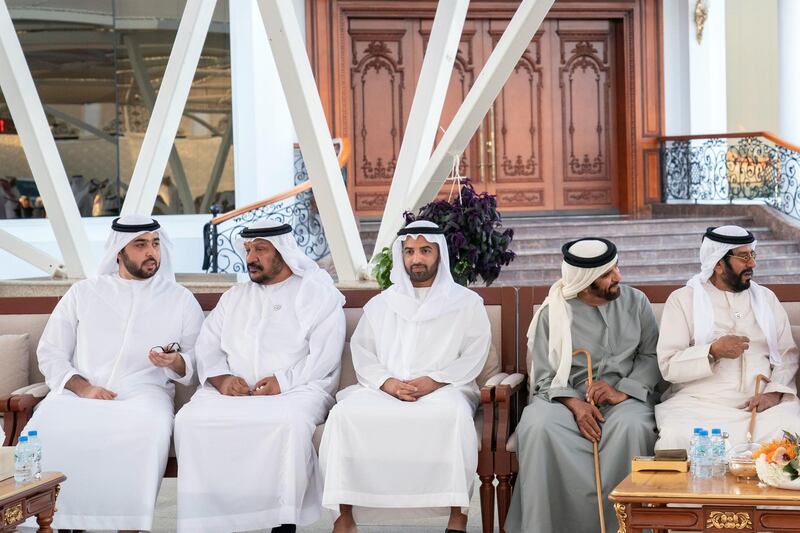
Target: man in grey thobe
{"points": [[587, 308]]}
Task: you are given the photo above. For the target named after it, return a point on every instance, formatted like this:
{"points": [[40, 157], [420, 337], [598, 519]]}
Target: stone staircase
{"points": [[651, 251]]}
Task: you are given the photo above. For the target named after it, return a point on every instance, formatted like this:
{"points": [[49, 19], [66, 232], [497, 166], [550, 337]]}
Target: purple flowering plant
{"points": [[472, 226]]}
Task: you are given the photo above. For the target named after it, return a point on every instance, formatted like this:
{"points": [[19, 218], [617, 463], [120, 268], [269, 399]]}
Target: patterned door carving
{"points": [[548, 144]]}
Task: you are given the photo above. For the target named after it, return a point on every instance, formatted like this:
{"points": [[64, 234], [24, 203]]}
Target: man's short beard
{"points": [[137, 271], [610, 294], [735, 282], [425, 275], [266, 275]]}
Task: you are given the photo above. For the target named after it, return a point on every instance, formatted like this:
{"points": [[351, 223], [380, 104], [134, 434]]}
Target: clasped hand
{"points": [[235, 386], [410, 390]]}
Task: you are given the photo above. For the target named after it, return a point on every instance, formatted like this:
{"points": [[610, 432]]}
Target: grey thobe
{"points": [[555, 489]]}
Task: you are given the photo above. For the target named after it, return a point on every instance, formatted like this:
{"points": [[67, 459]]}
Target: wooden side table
{"points": [[35, 498], [642, 501]]}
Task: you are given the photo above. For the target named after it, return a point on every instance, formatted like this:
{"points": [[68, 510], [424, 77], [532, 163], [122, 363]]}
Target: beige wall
{"points": [[752, 64]]}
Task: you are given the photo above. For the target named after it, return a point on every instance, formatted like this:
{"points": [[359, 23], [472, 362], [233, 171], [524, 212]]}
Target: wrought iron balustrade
{"points": [[736, 168], [295, 207]]}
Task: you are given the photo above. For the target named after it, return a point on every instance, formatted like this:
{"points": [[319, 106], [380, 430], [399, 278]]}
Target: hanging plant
{"points": [[472, 228]]}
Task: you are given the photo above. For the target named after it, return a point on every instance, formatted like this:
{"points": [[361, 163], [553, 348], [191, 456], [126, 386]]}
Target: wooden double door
{"points": [[574, 128], [547, 144]]}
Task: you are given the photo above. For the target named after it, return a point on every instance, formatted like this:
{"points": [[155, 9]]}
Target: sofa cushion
{"points": [[14, 354]]}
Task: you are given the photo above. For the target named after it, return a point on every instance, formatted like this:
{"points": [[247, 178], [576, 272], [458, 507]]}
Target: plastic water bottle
{"points": [[719, 466], [703, 458], [36, 452], [693, 449], [23, 462]]}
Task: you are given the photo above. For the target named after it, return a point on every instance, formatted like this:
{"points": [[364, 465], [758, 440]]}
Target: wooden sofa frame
{"points": [[18, 409]]}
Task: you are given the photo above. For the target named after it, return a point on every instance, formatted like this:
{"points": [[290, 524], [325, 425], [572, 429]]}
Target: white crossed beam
{"points": [[418, 175]]}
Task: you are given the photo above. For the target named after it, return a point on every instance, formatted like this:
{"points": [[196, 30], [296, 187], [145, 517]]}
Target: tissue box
{"points": [[6, 462]]}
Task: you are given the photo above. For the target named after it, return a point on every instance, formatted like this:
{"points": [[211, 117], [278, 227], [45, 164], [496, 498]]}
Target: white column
{"points": [[263, 135], [708, 103], [789, 70]]}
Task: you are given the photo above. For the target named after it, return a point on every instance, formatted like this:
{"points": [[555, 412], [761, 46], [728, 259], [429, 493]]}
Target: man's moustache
{"points": [[254, 266]]}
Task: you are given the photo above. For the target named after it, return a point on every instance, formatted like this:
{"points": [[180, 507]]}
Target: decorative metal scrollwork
{"points": [[13, 515], [622, 517], [299, 211], [728, 520], [715, 169]]}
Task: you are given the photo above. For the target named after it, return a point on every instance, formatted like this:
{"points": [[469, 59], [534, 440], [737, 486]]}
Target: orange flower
{"points": [[789, 451]]}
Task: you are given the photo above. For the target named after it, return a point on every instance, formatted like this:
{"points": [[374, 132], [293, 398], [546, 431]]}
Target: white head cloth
{"points": [[117, 240], [317, 296], [710, 253], [573, 280], [445, 294]]}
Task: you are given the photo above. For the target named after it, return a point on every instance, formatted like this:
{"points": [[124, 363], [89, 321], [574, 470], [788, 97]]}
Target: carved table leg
{"points": [[622, 517], [44, 519]]}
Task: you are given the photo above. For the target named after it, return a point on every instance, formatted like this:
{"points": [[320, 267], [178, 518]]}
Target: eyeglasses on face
{"points": [[171, 347], [746, 256]]}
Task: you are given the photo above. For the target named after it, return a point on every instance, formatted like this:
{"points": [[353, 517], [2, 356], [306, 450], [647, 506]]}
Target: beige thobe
{"points": [[713, 394]]}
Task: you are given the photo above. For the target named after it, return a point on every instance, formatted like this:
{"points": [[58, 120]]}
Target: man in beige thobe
{"points": [[717, 335]]}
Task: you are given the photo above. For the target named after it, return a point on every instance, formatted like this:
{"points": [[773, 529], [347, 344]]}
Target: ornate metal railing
{"points": [[736, 168], [295, 206]]}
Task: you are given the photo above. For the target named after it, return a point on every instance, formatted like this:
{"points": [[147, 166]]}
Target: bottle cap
{"points": [[716, 431], [697, 431], [704, 433], [23, 439], [33, 433]]}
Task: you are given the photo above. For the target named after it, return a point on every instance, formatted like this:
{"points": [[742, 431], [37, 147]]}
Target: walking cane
{"points": [[598, 482], [759, 379]]}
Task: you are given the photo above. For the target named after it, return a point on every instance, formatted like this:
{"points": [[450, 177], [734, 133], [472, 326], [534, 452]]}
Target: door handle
{"points": [[490, 146], [481, 154]]}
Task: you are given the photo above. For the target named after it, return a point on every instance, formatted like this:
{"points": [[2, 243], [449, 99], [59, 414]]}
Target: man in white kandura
{"points": [[111, 346], [717, 335], [268, 359], [402, 441]]}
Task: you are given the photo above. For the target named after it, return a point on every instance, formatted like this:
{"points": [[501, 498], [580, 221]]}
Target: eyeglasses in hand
{"points": [[171, 347]]}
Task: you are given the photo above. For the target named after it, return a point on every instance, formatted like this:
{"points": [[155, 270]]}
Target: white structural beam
{"points": [[426, 112], [493, 76], [40, 149], [148, 95], [30, 254], [263, 133], [168, 109], [297, 79]]}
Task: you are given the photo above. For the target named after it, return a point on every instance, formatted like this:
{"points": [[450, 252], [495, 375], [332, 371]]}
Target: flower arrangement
{"points": [[777, 462], [471, 225]]}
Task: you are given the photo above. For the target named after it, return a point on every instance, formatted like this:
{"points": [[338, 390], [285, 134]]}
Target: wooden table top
{"points": [[9, 490], [673, 487]]}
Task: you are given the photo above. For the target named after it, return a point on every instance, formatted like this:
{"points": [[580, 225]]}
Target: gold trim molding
{"points": [[700, 17], [622, 517], [728, 520], [13, 514]]}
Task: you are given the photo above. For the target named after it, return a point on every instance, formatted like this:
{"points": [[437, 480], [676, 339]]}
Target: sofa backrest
{"points": [[530, 298], [30, 315]]}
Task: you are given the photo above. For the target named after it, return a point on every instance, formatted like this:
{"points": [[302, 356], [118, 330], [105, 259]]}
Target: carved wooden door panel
{"points": [[585, 134], [519, 147], [382, 81], [549, 142]]}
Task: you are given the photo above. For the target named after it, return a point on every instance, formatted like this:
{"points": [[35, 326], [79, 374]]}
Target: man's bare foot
{"points": [[458, 520], [345, 522]]}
